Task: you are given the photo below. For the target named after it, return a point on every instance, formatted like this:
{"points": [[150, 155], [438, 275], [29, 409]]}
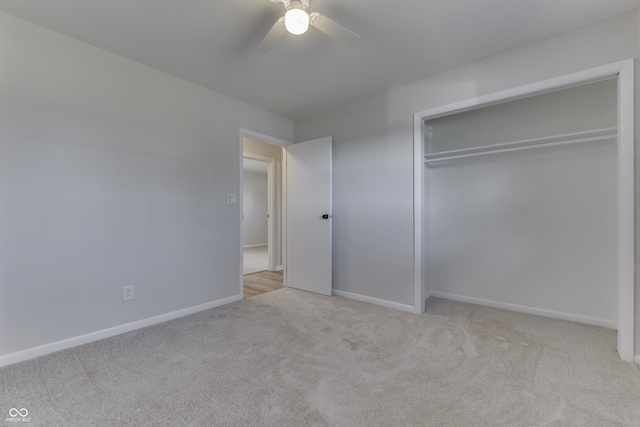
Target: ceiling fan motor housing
{"points": [[296, 4]]}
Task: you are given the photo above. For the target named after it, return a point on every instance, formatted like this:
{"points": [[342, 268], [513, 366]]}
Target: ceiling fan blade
{"points": [[334, 30], [272, 36]]}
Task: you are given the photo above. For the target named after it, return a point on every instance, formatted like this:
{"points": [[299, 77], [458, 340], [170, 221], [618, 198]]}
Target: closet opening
{"points": [[524, 200]]}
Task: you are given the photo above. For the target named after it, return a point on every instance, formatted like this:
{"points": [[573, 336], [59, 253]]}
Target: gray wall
{"points": [[372, 197], [111, 174], [373, 158], [255, 209]]}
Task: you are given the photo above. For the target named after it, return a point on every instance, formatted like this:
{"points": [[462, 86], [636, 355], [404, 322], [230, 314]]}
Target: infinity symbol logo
{"points": [[13, 412]]}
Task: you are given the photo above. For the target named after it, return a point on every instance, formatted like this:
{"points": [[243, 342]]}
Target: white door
{"points": [[309, 216]]}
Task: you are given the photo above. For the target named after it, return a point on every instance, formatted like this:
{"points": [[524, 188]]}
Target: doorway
{"points": [[262, 216], [255, 216]]}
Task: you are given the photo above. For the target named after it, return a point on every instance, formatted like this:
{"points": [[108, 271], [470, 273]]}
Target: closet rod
{"points": [[554, 138], [601, 135]]}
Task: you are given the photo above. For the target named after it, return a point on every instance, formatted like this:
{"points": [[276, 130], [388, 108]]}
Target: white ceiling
{"points": [[211, 42]]}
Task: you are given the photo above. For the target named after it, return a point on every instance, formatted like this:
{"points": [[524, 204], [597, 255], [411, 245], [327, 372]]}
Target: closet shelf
{"points": [[605, 134]]}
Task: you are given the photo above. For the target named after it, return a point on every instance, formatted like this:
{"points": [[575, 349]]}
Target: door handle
{"points": [[325, 216]]}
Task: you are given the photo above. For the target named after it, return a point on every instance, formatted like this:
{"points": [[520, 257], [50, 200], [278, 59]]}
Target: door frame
{"points": [[246, 133], [624, 72]]}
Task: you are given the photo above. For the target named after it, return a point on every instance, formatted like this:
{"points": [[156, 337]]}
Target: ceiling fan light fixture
{"points": [[296, 21]]}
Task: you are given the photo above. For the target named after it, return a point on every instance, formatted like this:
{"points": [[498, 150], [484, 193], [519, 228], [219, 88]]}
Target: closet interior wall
{"points": [[534, 228]]}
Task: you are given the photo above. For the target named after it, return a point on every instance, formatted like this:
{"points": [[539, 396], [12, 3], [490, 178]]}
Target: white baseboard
{"points": [[427, 296], [376, 301], [603, 323], [637, 359], [42, 350], [278, 268], [255, 246]]}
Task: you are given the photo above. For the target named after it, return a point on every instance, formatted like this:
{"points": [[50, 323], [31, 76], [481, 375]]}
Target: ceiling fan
{"points": [[296, 20]]}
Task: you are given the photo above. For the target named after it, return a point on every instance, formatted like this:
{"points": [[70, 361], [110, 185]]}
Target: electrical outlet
{"points": [[127, 293], [231, 199]]}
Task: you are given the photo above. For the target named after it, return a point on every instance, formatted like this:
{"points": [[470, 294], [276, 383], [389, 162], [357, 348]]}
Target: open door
{"points": [[309, 216]]}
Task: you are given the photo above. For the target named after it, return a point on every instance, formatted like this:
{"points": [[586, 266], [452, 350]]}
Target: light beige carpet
{"points": [[255, 259], [291, 358]]}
